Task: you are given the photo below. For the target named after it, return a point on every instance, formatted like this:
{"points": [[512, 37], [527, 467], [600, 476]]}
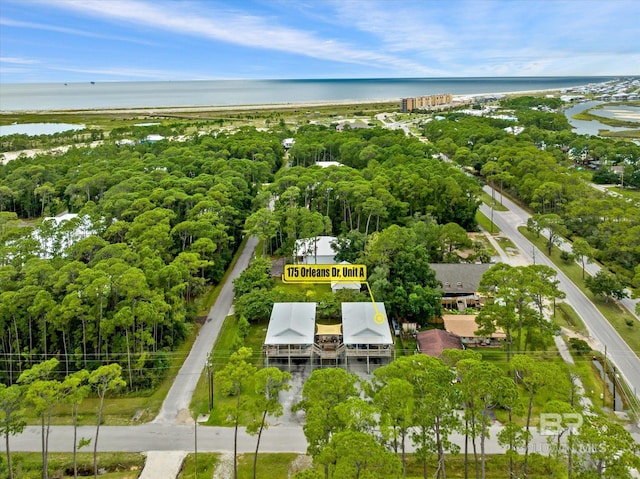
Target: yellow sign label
{"points": [[324, 273]]}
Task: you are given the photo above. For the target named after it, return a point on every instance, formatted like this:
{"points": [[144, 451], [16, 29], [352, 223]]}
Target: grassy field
{"points": [[505, 243], [617, 315], [255, 115], [626, 192], [206, 466], [620, 134], [278, 466], [28, 465]]}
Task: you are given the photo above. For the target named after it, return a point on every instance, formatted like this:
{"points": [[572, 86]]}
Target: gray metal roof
{"points": [[459, 278], [292, 323], [359, 327]]}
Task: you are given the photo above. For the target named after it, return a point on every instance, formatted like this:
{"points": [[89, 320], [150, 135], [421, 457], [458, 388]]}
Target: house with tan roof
{"points": [[465, 327]]}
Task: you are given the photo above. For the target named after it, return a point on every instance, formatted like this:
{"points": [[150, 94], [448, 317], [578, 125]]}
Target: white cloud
{"points": [[18, 61], [240, 29], [70, 31]]}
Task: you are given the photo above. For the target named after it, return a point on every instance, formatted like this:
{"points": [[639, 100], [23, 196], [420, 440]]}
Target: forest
{"points": [[159, 222]]}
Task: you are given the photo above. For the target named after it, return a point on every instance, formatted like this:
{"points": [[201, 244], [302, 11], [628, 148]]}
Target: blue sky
{"points": [[121, 40]]}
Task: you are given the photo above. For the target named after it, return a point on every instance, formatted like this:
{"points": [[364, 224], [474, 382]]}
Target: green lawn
{"points": [[626, 192], [207, 463], [505, 243]]}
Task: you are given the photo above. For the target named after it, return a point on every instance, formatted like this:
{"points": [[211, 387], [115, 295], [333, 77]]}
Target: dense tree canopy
{"points": [[157, 223]]}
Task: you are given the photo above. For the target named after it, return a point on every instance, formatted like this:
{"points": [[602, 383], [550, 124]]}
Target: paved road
{"points": [[599, 328], [165, 437], [591, 268], [179, 396]]}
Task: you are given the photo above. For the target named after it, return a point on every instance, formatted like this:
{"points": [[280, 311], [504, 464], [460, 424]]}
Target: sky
{"points": [[146, 40]]}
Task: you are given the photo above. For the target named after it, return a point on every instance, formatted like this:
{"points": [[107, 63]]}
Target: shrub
{"points": [[579, 346]]}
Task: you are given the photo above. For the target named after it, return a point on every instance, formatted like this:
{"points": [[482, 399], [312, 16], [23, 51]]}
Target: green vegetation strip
{"points": [[225, 345], [206, 466], [486, 199], [486, 224], [285, 464], [627, 193], [209, 298], [617, 316], [589, 115], [118, 465], [620, 134], [566, 316]]}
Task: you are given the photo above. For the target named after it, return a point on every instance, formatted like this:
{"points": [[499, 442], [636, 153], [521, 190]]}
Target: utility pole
{"points": [[491, 218], [604, 376], [614, 389], [196, 445], [210, 384]]}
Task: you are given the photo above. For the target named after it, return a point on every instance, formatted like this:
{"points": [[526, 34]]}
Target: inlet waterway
{"points": [[592, 127], [33, 129]]}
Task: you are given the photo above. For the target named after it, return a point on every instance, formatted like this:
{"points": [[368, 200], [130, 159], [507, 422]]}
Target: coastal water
{"points": [[100, 95], [591, 127], [38, 128]]}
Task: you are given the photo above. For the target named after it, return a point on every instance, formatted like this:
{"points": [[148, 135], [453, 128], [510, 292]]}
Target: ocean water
{"points": [[100, 95]]}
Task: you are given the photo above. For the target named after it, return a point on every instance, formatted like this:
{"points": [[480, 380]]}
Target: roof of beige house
{"points": [[465, 326]]}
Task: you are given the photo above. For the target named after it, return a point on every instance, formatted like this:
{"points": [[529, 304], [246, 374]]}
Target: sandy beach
{"points": [[161, 110]]}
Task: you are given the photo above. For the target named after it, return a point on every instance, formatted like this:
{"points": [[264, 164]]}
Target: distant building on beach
{"points": [[426, 102]]}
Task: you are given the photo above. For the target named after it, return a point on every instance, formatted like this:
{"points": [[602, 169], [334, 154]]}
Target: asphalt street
{"points": [[618, 351], [179, 396], [165, 437]]}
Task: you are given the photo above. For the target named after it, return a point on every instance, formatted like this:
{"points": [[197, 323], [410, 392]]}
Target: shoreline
{"points": [[155, 110]]}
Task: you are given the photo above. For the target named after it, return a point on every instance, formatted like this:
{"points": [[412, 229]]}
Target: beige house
{"points": [[465, 327]]}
